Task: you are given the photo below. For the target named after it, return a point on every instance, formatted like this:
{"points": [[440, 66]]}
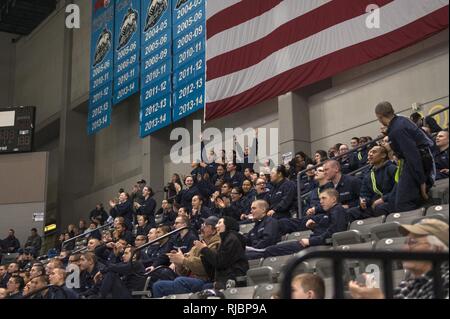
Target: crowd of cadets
{"points": [[219, 196]]}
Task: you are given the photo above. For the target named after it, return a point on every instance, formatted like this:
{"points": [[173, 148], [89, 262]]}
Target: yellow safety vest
{"points": [[399, 170], [374, 183]]}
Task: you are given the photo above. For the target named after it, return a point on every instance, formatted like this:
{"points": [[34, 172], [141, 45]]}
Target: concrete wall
{"points": [[6, 69], [38, 68], [23, 188]]}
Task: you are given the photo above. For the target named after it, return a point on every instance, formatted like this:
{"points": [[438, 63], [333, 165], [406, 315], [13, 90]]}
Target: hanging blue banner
{"points": [[156, 66], [102, 65], [127, 49], [189, 57]]}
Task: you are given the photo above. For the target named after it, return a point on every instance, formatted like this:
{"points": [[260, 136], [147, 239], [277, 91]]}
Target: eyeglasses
{"points": [[259, 184]]}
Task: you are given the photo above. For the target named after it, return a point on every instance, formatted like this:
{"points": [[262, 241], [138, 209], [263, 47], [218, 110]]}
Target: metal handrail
{"points": [[86, 233], [437, 112], [387, 257]]}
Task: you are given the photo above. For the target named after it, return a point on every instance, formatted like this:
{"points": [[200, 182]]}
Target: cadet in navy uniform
{"points": [[232, 176], [323, 225], [441, 155], [347, 186], [266, 232], [416, 165], [283, 197], [123, 209], [377, 186], [184, 240], [147, 206], [184, 196]]}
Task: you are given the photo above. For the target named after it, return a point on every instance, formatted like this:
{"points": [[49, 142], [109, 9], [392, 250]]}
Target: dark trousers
{"points": [[114, 287], [407, 195]]}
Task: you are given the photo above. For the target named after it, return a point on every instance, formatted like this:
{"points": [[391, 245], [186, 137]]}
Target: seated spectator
{"points": [[240, 206], [248, 173], [148, 206], [323, 225], [37, 270], [219, 178], [25, 258], [358, 159], [3, 293], [59, 290], [322, 183], [92, 231], [183, 240], [377, 189], [441, 155], [184, 196], [229, 261], [34, 241], [321, 156], [283, 197], [15, 286], [261, 190], [11, 244], [143, 225], [67, 243], [427, 121], [36, 284], [347, 165], [266, 231], [248, 190], [199, 212], [189, 267], [121, 232], [89, 267], [158, 256], [308, 286], [74, 259], [170, 188], [98, 214], [233, 177], [123, 208], [140, 240], [347, 186], [429, 235], [226, 189], [308, 181], [119, 280], [92, 244], [82, 226], [166, 214], [4, 276], [53, 264]]}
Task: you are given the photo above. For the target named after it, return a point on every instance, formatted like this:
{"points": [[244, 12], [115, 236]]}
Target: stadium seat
{"points": [[266, 291], [8, 258], [254, 263], [297, 235], [346, 238], [360, 246], [246, 228], [440, 191], [391, 244], [405, 217], [276, 263], [435, 216], [180, 296], [240, 293], [365, 225], [259, 275], [438, 209], [386, 230]]}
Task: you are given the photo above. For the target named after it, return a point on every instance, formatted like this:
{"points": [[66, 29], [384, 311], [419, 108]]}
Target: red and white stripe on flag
{"points": [[260, 49]]}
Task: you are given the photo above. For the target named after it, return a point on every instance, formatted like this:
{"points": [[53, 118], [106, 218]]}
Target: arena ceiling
{"points": [[23, 16]]}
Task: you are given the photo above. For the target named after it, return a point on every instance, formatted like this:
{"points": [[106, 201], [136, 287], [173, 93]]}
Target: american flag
{"points": [[260, 49]]}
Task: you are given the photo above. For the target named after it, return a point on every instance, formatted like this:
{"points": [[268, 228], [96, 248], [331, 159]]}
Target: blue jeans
{"points": [[181, 285]]}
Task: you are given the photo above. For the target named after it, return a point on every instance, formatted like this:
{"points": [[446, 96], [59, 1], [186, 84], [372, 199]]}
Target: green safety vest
{"points": [[399, 170], [374, 183]]}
